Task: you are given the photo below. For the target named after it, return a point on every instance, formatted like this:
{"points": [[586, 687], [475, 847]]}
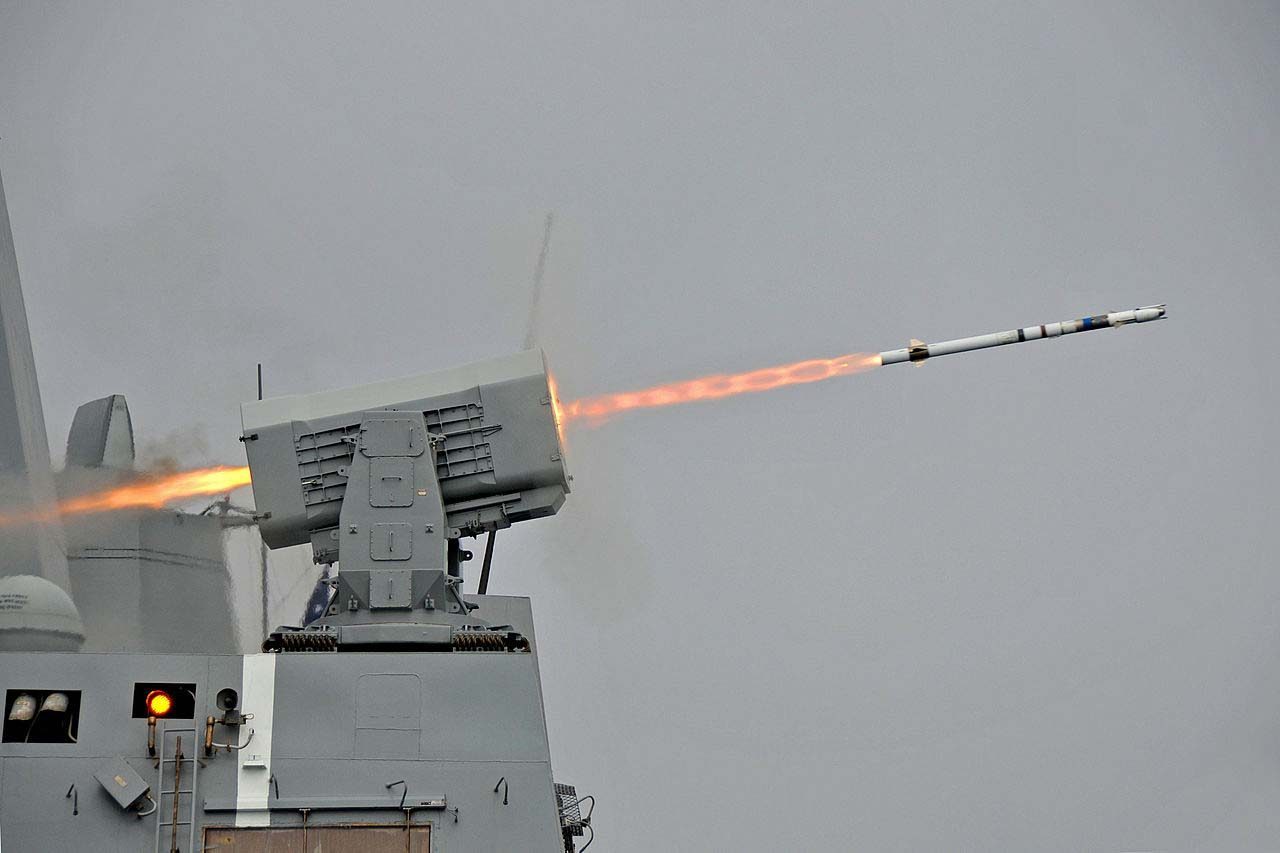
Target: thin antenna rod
{"points": [[531, 332], [488, 561], [262, 555], [266, 589]]}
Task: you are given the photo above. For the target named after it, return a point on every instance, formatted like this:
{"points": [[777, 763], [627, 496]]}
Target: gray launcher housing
{"points": [[492, 426]]}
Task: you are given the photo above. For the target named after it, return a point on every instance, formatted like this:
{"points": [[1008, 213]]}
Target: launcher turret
{"points": [[384, 479]]}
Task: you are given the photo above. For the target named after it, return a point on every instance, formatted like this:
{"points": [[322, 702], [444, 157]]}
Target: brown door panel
{"points": [[233, 840], [319, 839]]}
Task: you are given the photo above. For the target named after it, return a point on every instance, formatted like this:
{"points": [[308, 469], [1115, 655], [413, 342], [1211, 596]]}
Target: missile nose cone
{"points": [[1150, 312]]}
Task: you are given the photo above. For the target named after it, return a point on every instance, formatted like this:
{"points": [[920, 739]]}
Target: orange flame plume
{"points": [[155, 492], [152, 492], [596, 409]]}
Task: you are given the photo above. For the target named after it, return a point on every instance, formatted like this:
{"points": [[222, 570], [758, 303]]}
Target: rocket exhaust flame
{"points": [[156, 492], [149, 492], [596, 409]]}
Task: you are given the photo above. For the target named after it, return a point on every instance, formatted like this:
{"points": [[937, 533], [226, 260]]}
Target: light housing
{"points": [[181, 696]]}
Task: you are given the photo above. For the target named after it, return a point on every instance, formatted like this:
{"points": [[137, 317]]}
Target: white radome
{"points": [[37, 615]]}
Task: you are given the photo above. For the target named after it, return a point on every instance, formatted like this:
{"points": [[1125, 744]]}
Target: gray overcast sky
{"points": [[1021, 599]]}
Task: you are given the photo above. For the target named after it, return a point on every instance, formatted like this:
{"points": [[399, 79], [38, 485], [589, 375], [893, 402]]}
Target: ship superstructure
{"points": [[407, 717]]}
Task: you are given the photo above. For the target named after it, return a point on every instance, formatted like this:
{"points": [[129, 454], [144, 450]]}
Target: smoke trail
{"points": [[174, 451], [531, 331]]}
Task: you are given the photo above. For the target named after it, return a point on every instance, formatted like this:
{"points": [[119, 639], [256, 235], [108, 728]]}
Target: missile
{"points": [[919, 351]]}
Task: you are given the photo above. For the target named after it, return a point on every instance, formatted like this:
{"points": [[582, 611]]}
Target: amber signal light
{"points": [[159, 703]]}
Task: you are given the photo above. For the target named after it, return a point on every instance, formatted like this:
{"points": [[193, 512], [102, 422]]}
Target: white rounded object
{"points": [[37, 615]]}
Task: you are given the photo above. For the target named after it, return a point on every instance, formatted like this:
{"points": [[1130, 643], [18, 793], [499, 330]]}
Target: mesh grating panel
{"points": [[570, 811]]}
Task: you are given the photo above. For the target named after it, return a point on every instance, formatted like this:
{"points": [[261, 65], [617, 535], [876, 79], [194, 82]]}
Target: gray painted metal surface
{"points": [[38, 548], [335, 739], [388, 491], [497, 455], [101, 435], [151, 581]]}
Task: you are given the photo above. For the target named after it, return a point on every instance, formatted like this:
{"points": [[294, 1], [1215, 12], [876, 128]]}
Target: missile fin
{"points": [[918, 352]]}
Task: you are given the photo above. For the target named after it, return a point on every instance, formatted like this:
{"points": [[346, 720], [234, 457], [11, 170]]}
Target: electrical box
{"points": [[122, 782]]}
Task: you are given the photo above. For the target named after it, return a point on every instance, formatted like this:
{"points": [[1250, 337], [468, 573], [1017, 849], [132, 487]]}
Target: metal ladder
{"points": [[181, 756]]}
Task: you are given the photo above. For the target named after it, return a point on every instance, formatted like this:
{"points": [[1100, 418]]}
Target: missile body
{"points": [[918, 351]]}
